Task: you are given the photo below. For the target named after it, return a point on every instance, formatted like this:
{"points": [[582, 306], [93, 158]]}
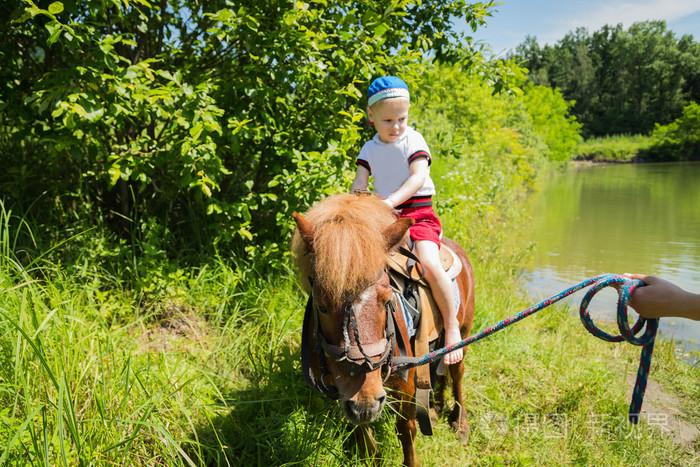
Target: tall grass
{"points": [[207, 375], [87, 376], [615, 148]]}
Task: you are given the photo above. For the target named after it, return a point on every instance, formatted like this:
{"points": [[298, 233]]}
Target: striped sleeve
{"points": [[363, 163], [420, 153], [418, 148]]}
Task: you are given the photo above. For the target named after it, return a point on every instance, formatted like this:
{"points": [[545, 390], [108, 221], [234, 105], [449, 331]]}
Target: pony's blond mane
{"points": [[349, 250]]}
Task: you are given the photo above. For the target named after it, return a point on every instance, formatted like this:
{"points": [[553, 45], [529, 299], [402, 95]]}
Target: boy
{"points": [[399, 159]]}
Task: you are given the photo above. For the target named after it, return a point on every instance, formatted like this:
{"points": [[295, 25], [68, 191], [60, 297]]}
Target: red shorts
{"points": [[427, 226]]}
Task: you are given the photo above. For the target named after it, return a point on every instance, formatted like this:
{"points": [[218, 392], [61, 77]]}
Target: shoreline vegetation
{"points": [[627, 149], [614, 149], [148, 311]]}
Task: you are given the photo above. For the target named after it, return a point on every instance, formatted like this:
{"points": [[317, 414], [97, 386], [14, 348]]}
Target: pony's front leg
{"points": [[438, 398], [406, 430], [458, 417]]}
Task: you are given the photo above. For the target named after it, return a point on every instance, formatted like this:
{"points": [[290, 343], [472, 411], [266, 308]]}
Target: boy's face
{"points": [[390, 117]]}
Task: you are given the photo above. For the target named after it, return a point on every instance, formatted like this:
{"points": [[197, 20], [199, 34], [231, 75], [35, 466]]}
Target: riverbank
{"points": [[614, 149], [619, 149], [207, 372]]}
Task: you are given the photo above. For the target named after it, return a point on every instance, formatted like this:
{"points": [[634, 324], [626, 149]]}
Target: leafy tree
{"points": [[652, 81], [689, 65], [622, 81], [186, 123], [605, 109]]}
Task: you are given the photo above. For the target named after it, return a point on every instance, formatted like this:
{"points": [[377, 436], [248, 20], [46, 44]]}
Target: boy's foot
{"points": [[452, 337]]}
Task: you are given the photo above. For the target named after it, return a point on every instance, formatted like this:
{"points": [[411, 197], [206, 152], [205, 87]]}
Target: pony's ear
{"points": [[306, 230], [395, 233]]}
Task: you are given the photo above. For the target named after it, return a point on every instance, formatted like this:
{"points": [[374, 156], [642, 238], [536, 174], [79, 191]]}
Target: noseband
{"points": [[357, 358]]}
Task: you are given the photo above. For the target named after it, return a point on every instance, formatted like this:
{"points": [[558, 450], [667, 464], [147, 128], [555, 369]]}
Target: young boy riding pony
{"points": [[399, 160]]}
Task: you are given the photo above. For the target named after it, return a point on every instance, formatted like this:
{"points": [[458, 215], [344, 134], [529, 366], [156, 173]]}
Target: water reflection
{"points": [[619, 218]]}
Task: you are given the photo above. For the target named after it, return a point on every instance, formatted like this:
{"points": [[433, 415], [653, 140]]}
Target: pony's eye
{"points": [[322, 309]]}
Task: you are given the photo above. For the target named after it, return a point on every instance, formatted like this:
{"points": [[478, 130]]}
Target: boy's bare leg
{"points": [[441, 286]]}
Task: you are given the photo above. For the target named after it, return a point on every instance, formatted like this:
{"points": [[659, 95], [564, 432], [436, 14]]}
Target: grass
{"points": [[617, 148], [78, 388]]}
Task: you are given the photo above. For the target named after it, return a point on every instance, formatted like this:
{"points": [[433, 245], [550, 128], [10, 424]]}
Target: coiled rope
{"points": [[597, 283]]}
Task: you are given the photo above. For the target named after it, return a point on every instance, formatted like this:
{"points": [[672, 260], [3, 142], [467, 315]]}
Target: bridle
{"points": [[358, 358]]}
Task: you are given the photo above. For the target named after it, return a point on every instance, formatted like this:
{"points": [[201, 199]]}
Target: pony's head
{"points": [[341, 248]]}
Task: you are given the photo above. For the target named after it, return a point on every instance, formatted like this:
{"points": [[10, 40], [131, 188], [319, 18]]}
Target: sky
{"points": [[550, 20]]}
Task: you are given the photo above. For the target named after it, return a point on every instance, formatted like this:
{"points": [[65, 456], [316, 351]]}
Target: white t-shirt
{"points": [[389, 163]]}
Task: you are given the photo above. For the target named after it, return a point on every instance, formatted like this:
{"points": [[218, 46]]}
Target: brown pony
{"points": [[341, 247]]}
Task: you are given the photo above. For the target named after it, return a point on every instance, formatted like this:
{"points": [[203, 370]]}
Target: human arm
{"points": [[418, 171], [361, 180], [660, 298]]}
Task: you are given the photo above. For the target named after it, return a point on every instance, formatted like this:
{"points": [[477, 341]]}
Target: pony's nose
{"points": [[366, 410]]}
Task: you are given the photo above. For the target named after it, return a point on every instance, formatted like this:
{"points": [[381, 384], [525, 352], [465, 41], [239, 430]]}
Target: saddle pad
{"points": [[448, 258]]}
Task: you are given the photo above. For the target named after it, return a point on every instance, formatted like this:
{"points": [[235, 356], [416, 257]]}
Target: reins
{"points": [[645, 340], [360, 358]]}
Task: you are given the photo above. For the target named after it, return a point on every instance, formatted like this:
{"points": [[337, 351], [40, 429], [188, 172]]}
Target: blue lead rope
{"points": [[645, 340]]}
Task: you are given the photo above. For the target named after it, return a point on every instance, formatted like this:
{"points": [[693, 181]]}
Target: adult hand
{"points": [[660, 298]]}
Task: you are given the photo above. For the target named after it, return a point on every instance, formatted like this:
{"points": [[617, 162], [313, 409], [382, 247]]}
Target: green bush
{"points": [[619, 148], [680, 139], [550, 117]]}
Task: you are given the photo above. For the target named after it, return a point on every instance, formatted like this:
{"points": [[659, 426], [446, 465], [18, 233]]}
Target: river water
{"points": [[636, 218]]}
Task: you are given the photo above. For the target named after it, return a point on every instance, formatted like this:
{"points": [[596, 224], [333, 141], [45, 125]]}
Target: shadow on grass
{"points": [[275, 420]]}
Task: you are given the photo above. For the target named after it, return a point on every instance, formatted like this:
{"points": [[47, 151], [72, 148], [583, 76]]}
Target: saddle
{"points": [[405, 265], [408, 281]]}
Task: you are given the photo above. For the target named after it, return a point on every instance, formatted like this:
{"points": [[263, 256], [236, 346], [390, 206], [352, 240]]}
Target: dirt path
{"points": [[662, 410]]}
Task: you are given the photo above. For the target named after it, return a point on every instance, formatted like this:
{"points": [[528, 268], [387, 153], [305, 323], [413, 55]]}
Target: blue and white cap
{"points": [[386, 87]]}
